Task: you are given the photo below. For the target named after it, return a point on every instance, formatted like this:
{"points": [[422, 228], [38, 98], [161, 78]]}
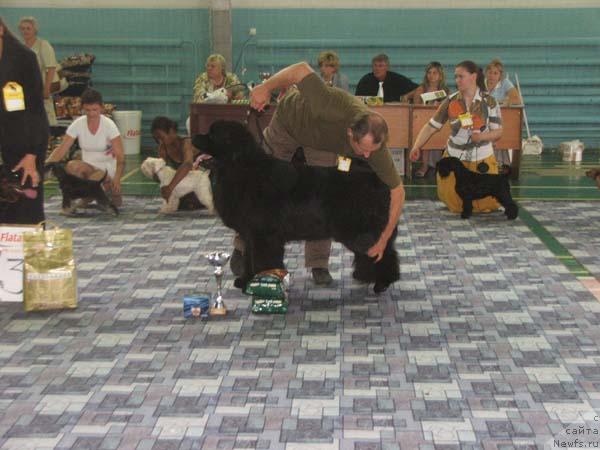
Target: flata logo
{"points": [[10, 237], [133, 133]]}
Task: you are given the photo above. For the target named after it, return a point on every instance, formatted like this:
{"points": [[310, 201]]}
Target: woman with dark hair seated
{"points": [[475, 123], [434, 80], [178, 152], [101, 146]]}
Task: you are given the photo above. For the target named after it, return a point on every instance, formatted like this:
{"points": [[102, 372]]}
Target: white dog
{"points": [[196, 181]]}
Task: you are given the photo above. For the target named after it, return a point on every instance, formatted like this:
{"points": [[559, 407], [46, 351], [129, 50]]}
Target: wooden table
{"points": [[404, 123], [202, 116], [397, 116]]}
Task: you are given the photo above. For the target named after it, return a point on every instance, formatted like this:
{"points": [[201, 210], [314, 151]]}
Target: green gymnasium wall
{"points": [[556, 52], [147, 58]]}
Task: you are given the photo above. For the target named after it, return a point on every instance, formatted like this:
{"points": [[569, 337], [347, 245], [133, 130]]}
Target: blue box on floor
{"points": [[196, 306]]}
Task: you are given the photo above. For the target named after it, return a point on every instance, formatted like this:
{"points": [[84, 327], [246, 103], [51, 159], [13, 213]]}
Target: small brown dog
{"points": [[594, 174]]}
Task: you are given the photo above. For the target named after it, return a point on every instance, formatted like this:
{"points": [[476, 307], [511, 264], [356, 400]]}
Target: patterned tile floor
{"points": [[489, 341], [576, 226]]}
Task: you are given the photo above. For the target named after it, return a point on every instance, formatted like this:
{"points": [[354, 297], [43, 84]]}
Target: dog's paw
{"points": [[240, 283], [511, 212], [363, 277], [380, 287], [465, 215]]}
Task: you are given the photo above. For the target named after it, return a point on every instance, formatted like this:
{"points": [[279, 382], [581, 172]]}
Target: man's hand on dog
{"points": [[27, 165], [260, 97]]}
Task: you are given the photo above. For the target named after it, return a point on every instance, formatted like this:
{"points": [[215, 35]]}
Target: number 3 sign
{"points": [[11, 261]]}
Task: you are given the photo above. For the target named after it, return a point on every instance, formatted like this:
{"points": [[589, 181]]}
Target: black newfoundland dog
{"points": [[270, 202], [473, 186]]}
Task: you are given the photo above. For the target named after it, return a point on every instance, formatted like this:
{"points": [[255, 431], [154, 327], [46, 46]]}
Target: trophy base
{"points": [[218, 311]]}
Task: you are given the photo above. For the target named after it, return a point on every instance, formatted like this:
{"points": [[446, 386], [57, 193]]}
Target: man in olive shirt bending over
{"points": [[331, 126]]}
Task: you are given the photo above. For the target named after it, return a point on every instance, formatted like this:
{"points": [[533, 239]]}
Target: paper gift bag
{"points": [[49, 277], [11, 261]]}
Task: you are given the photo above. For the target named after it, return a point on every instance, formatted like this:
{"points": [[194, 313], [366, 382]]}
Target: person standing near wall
{"points": [[46, 58], [475, 123], [23, 126]]}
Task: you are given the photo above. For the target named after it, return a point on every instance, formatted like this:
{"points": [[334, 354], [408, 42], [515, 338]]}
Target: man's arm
{"points": [[407, 85], [397, 196], [362, 87], [49, 62], [50, 71], [261, 94]]}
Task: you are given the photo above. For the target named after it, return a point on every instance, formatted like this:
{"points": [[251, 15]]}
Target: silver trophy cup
{"points": [[218, 260]]}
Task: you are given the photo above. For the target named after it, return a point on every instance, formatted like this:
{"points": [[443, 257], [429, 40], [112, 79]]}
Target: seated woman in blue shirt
{"points": [[499, 86], [506, 94]]}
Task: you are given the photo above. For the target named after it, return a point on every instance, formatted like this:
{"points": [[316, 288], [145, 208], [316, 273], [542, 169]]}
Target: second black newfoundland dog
{"points": [[270, 202], [474, 186]]}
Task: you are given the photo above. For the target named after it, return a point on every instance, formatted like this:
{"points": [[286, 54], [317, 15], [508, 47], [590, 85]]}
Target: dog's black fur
{"points": [[270, 202], [74, 188], [473, 186]]}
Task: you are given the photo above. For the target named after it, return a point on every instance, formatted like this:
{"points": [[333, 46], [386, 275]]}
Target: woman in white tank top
{"points": [[100, 143]]}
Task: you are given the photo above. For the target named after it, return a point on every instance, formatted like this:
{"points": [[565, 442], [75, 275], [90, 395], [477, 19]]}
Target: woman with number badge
{"points": [[23, 132], [475, 123]]}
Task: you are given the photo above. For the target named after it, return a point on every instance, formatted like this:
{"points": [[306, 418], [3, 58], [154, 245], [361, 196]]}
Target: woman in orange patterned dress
{"points": [[475, 123]]}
